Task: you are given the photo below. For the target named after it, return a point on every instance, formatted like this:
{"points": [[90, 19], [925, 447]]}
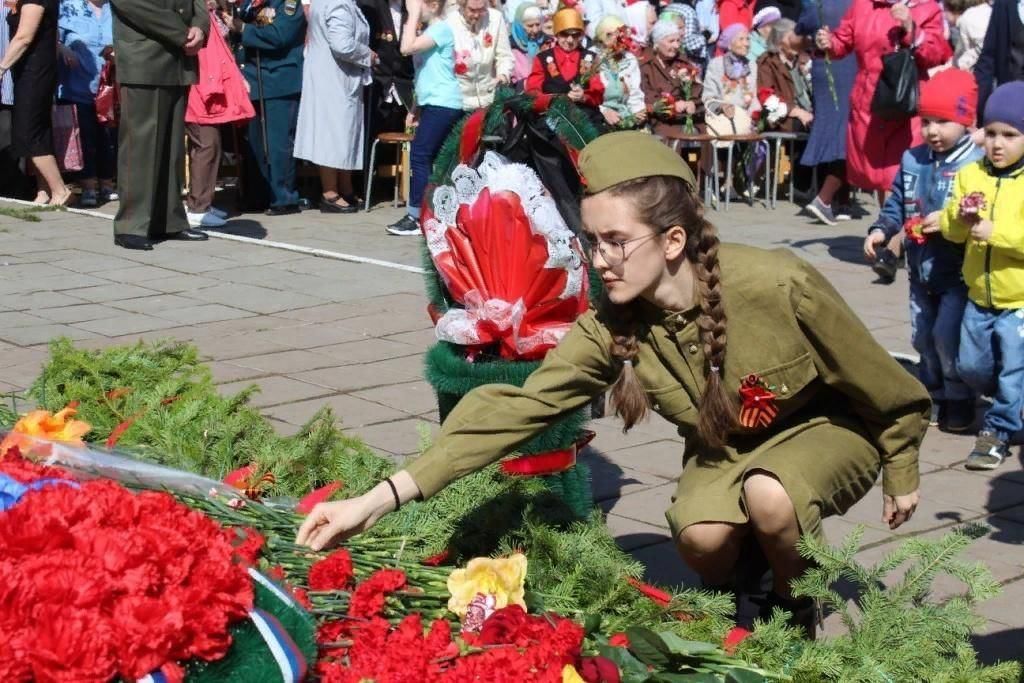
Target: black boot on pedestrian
{"points": [[133, 242], [332, 206], [805, 613], [188, 235], [283, 210], [885, 266], [958, 416]]}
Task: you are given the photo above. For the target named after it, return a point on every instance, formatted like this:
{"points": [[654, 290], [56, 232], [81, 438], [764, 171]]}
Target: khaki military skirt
{"points": [[826, 464]]}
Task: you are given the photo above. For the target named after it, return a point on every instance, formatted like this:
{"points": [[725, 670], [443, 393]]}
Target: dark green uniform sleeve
{"points": [[490, 421], [159, 23], [200, 17], [285, 31], [893, 404]]}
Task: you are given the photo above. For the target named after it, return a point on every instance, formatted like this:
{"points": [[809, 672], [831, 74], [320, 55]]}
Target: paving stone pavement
{"points": [[313, 331]]}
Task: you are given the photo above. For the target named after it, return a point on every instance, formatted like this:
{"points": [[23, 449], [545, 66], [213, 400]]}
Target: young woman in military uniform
{"points": [[686, 324]]}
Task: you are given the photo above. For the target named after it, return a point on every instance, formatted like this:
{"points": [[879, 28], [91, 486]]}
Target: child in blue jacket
{"points": [[938, 295]]}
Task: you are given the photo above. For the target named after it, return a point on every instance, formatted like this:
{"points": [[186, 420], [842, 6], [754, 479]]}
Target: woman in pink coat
{"points": [[871, 29]]}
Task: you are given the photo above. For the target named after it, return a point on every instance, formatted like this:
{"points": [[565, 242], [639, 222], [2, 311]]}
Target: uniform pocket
{"points": [[671, 401], [787, 379]]}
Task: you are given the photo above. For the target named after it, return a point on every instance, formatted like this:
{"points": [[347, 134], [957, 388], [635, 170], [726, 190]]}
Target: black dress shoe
{"points": [[188, 235], [133, 242], [327, 206], [283, 210]]}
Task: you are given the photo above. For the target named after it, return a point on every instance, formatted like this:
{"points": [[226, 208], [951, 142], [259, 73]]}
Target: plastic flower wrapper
{"points": [[912, 227], [971, 206], [488, 584]]}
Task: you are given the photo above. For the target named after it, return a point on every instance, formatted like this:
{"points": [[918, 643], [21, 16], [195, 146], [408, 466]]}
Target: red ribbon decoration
{"points": [[472, 133], [551, 462], [758, 407]]}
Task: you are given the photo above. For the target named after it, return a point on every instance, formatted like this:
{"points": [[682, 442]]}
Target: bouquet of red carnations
{"points": [[664, 106]]}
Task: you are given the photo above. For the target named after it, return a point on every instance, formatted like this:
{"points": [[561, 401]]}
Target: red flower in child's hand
{"points": [[334, 572], [913, 230], [971, 206]]}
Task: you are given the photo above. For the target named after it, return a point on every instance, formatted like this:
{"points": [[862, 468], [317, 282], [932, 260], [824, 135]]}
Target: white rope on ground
{"points": [[285, 246]]}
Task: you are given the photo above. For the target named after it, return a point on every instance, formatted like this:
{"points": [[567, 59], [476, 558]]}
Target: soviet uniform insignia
{"points": [[290, 6]]}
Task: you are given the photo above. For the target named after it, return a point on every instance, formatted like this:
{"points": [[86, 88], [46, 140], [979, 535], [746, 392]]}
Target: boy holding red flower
{"points": [[948, 105], [987, 212]]}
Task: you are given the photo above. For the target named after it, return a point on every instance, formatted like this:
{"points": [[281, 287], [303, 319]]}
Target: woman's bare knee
{"points": [[769, 506], [707, 538]]}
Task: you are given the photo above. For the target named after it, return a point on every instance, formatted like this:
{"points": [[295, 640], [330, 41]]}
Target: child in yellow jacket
{"points": [[987, 212]]}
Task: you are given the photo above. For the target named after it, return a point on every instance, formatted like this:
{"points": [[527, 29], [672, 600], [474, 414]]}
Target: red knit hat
{"points": [[951, 95]]}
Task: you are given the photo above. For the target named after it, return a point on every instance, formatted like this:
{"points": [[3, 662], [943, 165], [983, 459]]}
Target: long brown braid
{"points": [[662, 202]]}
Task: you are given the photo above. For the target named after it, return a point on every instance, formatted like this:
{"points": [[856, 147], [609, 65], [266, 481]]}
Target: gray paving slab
{"points": [[369, 327]]}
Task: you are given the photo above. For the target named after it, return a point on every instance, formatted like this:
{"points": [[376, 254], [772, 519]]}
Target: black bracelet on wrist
{"points": [[394, 492]]}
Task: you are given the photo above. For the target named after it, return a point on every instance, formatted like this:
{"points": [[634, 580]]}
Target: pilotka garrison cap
{"points": [[627, 155]]}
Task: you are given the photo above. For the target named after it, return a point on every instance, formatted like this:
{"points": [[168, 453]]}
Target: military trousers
{"points": [[276, 178], [151, 161]]}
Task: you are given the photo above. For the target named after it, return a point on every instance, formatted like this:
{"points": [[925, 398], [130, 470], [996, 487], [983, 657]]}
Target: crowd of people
{"points": [[315, 82]]}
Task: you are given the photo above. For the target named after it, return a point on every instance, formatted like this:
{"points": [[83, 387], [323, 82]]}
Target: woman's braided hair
{"points": [[661, 202]]}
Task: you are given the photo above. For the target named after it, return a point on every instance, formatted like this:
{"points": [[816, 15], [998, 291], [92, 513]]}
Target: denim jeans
{"points": [[435, 125], [935, 333], [992, 363], [99, 144]]}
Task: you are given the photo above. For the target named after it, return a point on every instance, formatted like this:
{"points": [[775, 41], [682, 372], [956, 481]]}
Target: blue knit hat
{"points": [[1006, 105]]}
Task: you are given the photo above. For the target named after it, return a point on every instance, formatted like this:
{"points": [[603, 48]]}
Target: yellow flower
{"points": [[41, 424], [570, 675], [504, 578]]}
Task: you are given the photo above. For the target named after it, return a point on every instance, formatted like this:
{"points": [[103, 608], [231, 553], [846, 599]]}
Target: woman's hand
{"points": [[411, 120], [329, 523], [901, 13], [685, 107], [898, 509], [729, 110], [575, 92], [611, 116], [640, 116], [803, 116], [823, 39]]}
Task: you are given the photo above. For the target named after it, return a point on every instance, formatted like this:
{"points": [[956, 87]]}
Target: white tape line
{"points": [[295, 248]]}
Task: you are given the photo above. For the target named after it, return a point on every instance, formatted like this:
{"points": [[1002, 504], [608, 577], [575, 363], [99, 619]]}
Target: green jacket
{"points": [[279, 43], [148, 39], [786, 323]]}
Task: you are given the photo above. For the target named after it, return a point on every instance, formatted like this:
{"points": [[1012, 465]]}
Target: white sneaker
{"points": [[219, 213], [204, 220]]}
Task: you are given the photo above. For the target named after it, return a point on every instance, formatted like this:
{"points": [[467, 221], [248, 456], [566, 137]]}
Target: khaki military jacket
{"points": [[148, 40], [786, 323]]}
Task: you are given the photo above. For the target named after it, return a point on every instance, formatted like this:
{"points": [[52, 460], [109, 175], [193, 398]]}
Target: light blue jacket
{"points": [[924, 184], [86, 34]]}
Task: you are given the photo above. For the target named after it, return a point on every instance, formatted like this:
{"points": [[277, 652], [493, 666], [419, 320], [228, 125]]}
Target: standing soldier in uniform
{"points": [[155, 44], [272, 34]]}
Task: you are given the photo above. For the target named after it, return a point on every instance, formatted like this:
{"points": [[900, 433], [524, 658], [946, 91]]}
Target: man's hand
{"points": [[982, 230], [874, 239], [194, 41], [898, 509]]}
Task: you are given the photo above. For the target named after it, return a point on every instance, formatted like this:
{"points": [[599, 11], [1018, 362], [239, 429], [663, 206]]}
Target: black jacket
{"points": [[392, 68], [1001, 61]]}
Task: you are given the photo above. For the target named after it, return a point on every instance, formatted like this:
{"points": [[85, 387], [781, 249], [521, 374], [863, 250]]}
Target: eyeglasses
{"points": [[613, 253], [571, 34]]}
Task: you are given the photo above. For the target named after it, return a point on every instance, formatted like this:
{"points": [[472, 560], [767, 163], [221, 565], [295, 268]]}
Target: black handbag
{"points": [[896, 92]]}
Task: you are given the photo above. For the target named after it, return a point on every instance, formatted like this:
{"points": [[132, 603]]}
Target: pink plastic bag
{"points": [[67, 138]]}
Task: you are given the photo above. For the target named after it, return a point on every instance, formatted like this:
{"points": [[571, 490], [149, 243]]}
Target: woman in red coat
{"points": [[871, 29]]}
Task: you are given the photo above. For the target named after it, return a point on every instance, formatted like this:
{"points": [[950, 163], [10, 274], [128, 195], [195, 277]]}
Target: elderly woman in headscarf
{"points": [[729, 82], [671, 86], [623, 105], [783, 68], [528, 39], [691, 39]]}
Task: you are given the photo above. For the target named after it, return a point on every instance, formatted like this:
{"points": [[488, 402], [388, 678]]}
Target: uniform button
{"points": [[656, 406], [783, 389], [692, 348]]}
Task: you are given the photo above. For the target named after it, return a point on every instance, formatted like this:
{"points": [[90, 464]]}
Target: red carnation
{"points": [[599, 670], [368, 598], [461, 68], [912, 229], [488, 40], [619, 640], [332, 573], [248, 545], [971, 206], [501, 627]]}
